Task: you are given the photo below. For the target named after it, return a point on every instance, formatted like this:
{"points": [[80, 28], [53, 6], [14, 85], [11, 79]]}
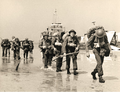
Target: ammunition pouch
{"points": [[105, 51]]}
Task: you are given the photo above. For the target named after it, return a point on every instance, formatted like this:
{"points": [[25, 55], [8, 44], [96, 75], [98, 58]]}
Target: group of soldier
{"points": [[64, 48], [15, 45], [69, 47], [57, 46]]}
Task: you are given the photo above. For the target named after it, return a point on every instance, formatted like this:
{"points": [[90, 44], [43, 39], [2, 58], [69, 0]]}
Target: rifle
{"points": [[16, 44], [65, 55], [17, 66]]}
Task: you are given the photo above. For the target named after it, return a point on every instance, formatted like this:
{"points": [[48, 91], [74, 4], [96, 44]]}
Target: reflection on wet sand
{"points": [[30, 77]]}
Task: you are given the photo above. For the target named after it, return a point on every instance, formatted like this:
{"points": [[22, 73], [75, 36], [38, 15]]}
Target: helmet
{"points": [[26, 39], [13, 37], [72, 31], [45, 34], [99, 33]]}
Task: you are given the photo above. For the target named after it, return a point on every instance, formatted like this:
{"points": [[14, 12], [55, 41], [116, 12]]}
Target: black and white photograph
{"points": [[59, 45]]}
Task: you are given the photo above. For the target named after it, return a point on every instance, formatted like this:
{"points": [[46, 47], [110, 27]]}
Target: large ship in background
{"points": [[55, 27]]}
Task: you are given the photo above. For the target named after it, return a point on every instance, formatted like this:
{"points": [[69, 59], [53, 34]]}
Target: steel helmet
{"points": [[72, 31], [45, 34], [13, 37], [99, 33]]}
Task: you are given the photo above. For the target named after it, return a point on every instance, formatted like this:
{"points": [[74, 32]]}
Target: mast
{"points": [[93, 23], [55, 16]]}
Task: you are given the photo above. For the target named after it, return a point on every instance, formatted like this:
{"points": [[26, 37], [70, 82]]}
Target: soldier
{"points": [[70, 45], [26, 46], [47, 50], [57, 45], [16, 48], [8, 46], [13, 41], [31, 48], [101, 47], [4, 50], [5, 47]]}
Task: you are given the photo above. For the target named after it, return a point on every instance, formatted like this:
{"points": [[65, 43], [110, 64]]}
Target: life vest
{"points": [[46, 42], [72, 42]]}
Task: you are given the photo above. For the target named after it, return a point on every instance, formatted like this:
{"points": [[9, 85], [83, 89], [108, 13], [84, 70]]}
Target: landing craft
{"points": [[55, 28]]}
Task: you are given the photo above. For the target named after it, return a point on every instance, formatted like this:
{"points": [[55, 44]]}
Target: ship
{"points": [[55, 27]]}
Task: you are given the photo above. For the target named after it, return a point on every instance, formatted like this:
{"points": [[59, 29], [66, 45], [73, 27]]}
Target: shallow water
{"points": [[30, 76]]}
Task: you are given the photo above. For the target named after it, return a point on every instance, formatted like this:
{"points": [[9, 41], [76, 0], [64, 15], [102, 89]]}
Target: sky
{"points": [[28, 18]]}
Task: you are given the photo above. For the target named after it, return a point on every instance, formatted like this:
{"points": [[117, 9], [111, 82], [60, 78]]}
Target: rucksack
{"points": [[91, 32]]}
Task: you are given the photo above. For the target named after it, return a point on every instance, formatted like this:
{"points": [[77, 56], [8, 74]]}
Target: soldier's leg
{"points": [[49, 59], [68, 64], [74, 59], [9, 52], [99, 69], [99, 64], [60, 64], [57, 61], [24, 54], [14, 54], [19, 54], [3, 50], [27, 54], [45, 60], [95, 51]]}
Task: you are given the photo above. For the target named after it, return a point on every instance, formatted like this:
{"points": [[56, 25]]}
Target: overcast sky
{"points": [[27, 18]]}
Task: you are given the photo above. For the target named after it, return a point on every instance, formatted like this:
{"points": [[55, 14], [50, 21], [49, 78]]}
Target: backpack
{"points": [[91, 32]]}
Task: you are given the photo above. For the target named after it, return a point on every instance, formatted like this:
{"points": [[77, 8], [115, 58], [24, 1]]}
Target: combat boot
{"points": [[94, 76], [101, 80], [68, 71], [60, 70], [75, 73]]}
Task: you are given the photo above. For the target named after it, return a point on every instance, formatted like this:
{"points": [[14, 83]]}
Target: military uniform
{"points": [[47, 52], [4, 50], [100, 49], [5, 47], [57, 44], [69, 45], [8, 47], [31, 46], [26, 46], [16, 48]]}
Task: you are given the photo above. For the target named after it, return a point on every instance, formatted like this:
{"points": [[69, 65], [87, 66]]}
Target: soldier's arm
{"points": [[64, 45], [106, 41], [89, 42], [78, 43], [53, 42], [41, 44], [33, 45]]}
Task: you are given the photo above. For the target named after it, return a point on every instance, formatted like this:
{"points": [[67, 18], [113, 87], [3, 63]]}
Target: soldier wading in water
{"points": [[71, 45], [101, 47]]}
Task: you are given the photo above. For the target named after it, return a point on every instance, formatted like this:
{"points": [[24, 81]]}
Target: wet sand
{"points": [[30, 76]]}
